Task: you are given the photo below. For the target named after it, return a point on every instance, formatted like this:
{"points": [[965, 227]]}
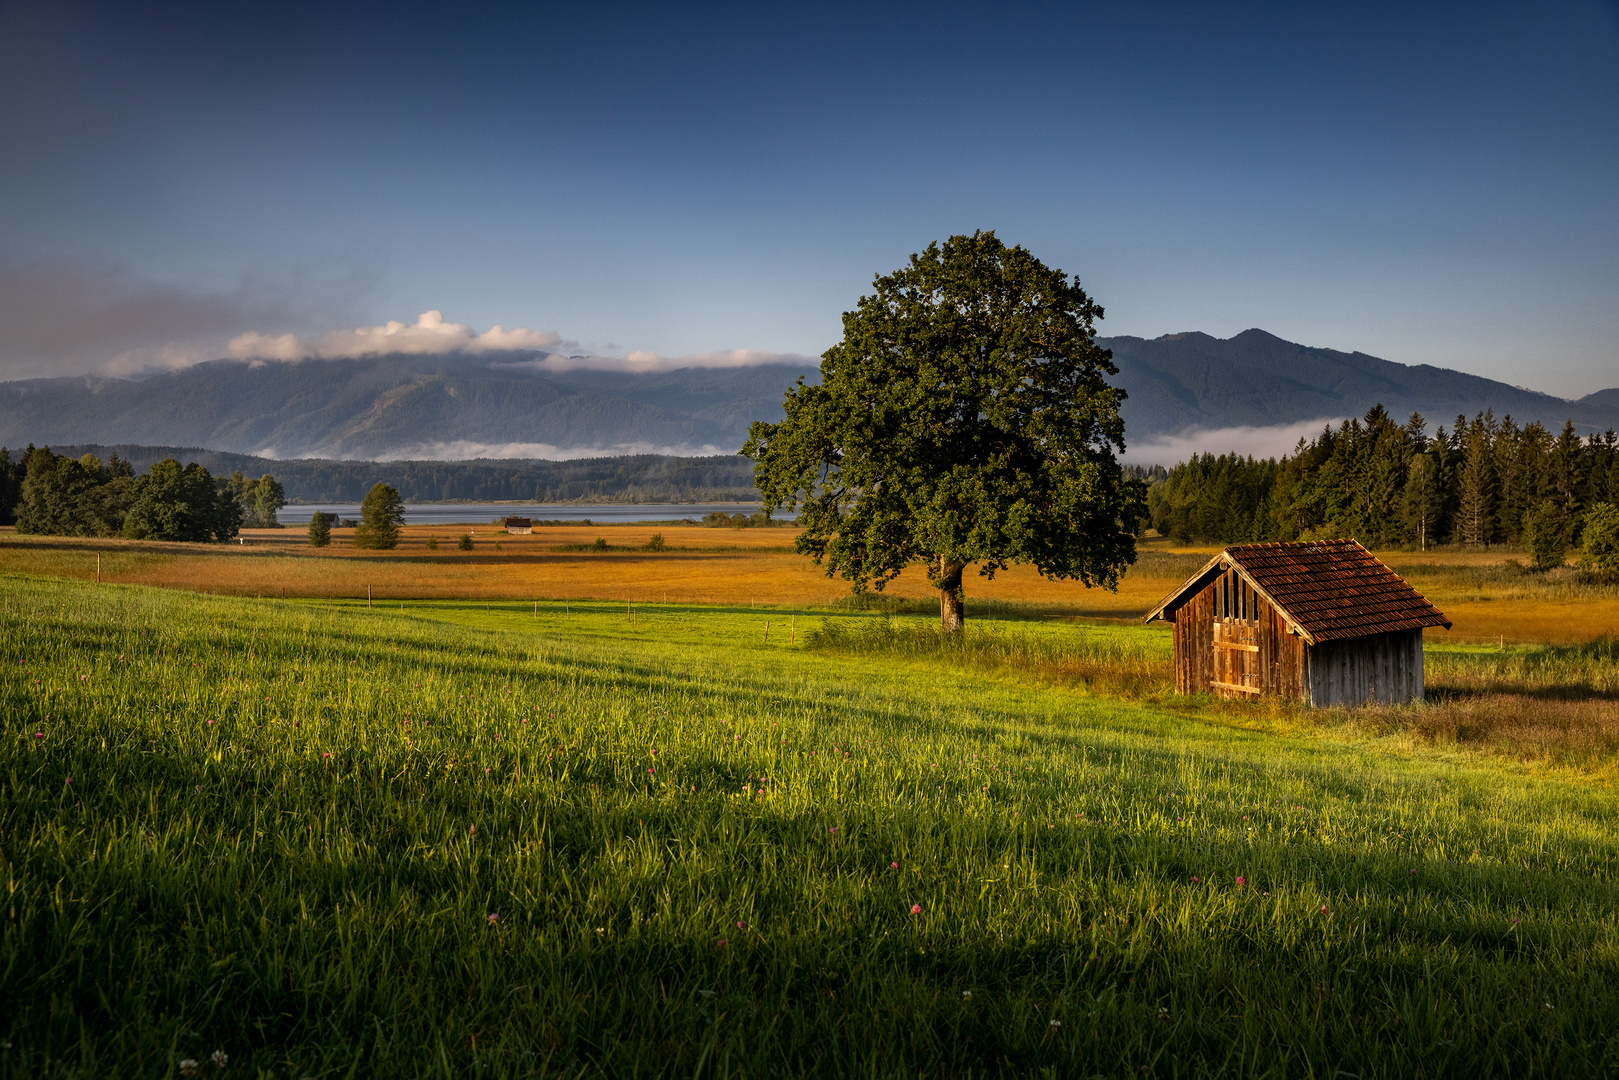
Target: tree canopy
{"points": [[963, 419], [175, 503], [381, 515], [261, 499]]}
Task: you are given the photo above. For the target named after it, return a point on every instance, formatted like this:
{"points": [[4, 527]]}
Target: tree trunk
{"points": [[952, 609]]}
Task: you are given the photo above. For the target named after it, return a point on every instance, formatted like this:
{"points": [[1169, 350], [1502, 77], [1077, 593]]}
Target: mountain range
{"points": [[535, 406]]}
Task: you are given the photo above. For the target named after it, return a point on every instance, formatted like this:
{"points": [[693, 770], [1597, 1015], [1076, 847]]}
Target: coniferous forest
{"points": [[1484, 481]]}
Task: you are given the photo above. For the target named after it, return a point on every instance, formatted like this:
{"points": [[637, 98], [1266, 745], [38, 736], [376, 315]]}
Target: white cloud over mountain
{"points": [[70, 317], [429, 334]]}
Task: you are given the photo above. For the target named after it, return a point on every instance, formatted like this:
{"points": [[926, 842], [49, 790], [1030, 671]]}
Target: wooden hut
{"points": [[519, 526], [1321, 622]]}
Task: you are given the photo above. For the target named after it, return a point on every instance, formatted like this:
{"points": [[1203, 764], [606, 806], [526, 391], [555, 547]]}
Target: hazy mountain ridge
{"points": [[387, 406], [460, 407], [1256, 379]]}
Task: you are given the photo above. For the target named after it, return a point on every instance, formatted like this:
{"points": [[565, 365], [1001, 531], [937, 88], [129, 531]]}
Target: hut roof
{"points": [[518, 523], [1326, 589]]}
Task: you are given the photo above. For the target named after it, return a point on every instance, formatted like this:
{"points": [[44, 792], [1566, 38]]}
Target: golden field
{"points": [[1486, 597]]}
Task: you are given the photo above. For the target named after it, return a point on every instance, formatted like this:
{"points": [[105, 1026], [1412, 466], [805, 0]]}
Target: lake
{"points": [[485, 513]]}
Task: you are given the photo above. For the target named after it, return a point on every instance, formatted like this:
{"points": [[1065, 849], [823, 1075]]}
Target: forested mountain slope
{"points": [[400, 406], [531, 405]]}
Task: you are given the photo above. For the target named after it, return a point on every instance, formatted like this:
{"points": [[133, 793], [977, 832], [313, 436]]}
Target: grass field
{"points": [[322, 839], [1489, 597]]}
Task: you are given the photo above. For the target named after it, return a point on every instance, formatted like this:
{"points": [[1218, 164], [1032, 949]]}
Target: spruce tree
{"points": [[381, 515], [1476, 513], [320, 528]]}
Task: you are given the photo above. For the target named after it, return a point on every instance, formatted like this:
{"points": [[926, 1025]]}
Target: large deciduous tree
{"points": [[963, 419]]}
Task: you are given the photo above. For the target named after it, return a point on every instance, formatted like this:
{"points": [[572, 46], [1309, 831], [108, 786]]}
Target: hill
{"points": [[534, 406]]}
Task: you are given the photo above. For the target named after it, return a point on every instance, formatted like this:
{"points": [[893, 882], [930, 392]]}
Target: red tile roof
{"points": [[1331, 589]]}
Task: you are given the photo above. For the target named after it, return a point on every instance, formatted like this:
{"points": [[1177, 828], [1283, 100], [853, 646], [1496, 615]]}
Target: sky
{"points": [[1427, 183]]}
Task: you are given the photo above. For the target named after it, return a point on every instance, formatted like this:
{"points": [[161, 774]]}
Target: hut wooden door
{"points": [[1236, 638]]}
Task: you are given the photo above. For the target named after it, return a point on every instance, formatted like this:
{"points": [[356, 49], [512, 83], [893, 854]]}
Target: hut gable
{"points": [[1325, 622]]}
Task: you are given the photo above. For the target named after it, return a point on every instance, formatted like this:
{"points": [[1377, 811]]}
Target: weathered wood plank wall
{"points": [[1382, 668], [1230, 642]]}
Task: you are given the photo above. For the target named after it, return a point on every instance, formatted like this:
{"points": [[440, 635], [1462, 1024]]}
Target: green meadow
{"points": [[284, 839]]}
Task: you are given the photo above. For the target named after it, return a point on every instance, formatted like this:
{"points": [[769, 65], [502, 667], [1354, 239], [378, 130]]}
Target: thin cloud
{"points": [[1260, 442], [62, 316]]}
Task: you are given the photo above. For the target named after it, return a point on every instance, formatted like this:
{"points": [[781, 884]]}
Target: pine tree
{"points": [[1566, 470], [1424, 495], [1476, 512], [320, 528], [381, 515]]}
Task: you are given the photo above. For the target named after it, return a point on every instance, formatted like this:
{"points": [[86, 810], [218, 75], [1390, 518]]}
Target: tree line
{"points": [[637, 478], [1483, 482], [52, 494]]}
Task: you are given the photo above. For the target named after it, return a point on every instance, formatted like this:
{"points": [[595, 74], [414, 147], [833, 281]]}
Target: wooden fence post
{"points": [[767, 631], [368, 597]]}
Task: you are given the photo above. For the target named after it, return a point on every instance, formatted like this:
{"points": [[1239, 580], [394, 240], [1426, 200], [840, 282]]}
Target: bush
{"points": [[1544, 531], [655, 542], [432, 543], [320, 528], [600, 544], [465, 543], [1600, 551]]}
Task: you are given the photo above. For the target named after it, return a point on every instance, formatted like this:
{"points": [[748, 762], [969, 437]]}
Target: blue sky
{"points": [[1429, 183]]}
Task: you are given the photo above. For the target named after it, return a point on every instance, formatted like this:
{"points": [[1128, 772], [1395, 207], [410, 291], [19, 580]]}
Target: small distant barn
{"points": [[1321, 622], [519, 526]]}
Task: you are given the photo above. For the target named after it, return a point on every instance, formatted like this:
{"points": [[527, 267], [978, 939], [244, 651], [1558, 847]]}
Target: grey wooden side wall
{"points": [[1382, 668]]}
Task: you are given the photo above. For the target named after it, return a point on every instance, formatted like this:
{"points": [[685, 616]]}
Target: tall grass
{"points": [[327, 841], [1135, 663]]}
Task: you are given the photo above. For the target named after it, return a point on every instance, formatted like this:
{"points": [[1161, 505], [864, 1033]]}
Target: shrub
{"points": [[600, 544], [1543, 535], [465, 543], [655, 542], [1600, 551], [432, 543], [320, 528]]}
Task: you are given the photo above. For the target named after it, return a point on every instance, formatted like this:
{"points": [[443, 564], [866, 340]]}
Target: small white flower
{"points": [[1056, 1023], [966, 995], [219, 1057], [188, 1066]]}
